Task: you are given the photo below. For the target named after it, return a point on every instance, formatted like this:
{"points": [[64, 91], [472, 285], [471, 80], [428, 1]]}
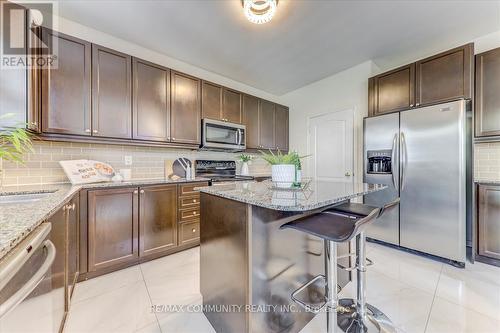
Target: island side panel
{"points": [[224, 262], [282, 261]]}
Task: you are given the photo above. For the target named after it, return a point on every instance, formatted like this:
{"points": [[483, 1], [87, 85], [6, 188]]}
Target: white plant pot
{"points": [[283, 175], [244, 169]]}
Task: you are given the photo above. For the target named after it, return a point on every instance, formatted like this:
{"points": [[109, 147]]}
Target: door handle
{"points": [[393, 159], [347, 174], [404, 164]]}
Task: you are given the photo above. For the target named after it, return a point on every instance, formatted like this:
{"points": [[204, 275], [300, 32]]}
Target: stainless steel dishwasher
{"points": [[28, 303]]}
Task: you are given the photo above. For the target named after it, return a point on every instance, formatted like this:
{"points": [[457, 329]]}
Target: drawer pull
{"points": [[193, 230], [194, 200]]}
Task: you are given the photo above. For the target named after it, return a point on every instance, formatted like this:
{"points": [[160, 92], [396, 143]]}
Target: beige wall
{"points": [[343, 91], [42, 166]]}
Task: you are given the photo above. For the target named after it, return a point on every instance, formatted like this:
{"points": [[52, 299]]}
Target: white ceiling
{"points": [[306, 41]]}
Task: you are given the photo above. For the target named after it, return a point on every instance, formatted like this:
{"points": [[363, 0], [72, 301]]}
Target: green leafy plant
{"points": [[245, 158], [292, 158], [14, 141]]}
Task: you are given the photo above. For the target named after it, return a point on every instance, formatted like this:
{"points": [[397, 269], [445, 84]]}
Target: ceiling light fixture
{"points": [[259, 11]]}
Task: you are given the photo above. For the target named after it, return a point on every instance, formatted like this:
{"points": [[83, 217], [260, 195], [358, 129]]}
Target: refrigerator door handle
{"points": [[393, 159], [404, 164]]}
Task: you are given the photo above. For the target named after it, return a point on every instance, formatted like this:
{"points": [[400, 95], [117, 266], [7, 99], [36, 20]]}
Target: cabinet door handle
{"points": [[194, 200], [135, 192], [411, 105], [417, 104], [193, 230], [87, 130], [69, 207], [95, 131], [142, 191]]}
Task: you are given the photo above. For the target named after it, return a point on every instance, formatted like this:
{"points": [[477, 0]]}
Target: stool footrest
{"points": [[369, 262], [307, 306]]}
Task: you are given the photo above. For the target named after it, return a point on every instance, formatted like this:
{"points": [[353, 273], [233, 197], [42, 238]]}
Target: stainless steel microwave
{"points": [[221, 135]]}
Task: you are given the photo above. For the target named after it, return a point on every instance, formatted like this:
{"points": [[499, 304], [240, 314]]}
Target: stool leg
{"points": [[361, 275], [331, 285]]}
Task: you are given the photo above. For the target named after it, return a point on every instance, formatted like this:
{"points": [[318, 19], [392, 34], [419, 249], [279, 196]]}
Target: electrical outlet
{"points": [[128, 160]]}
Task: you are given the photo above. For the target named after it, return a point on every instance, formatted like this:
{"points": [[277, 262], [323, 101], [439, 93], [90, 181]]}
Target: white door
{"points": [[331, 146]]}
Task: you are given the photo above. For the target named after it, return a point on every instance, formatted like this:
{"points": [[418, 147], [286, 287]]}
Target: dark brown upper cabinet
{"points": [[211, 100], [392, 91], [487, 101], [151, 101], [220, 103], [281, 127], [112, 228], [231, 106], [13, 82], [266, 125], [158, 220], [251, 120], [446, 76], [185, 108], [441, 78], [111, 93], [65, 90]]}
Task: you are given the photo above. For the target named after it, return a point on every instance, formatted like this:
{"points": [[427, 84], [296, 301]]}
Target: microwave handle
{"points": [[238, 136]]}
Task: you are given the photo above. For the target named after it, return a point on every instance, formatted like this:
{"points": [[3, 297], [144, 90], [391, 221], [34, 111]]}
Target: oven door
{"points": [[222, 135]]}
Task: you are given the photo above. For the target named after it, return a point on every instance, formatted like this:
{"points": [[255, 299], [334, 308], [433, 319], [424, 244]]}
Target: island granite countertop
{"points": [[17, 220], [317, 195]]}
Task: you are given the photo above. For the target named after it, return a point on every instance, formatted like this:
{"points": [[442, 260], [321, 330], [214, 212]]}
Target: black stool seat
{"points": [[331, 226], [362, 210], [354, 208]]}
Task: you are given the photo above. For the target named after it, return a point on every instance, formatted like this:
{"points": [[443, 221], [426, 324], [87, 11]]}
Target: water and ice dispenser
{"points": [[379, 161]]}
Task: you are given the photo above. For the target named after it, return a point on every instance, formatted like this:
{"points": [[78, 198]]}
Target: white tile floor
{"points": [[418, 294]]}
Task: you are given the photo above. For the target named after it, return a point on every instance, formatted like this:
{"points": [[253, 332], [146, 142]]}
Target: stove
{"points": [[219, 171]]}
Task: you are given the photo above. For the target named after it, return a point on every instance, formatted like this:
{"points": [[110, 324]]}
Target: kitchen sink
{"points": [[24, 197]]}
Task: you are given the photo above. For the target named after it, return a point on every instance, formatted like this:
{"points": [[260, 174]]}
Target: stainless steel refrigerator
{"points": [[421, 155]]}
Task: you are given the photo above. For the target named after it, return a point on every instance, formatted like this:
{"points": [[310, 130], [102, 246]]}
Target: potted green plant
{"points": [[15, 141], [245, 160], [283, 167]]}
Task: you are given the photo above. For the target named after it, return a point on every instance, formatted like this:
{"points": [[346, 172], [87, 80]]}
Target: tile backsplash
{"points": [[42, 165], [487, 161]]}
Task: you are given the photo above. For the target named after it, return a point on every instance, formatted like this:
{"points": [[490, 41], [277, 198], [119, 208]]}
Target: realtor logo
{"points": [[24, 41]]}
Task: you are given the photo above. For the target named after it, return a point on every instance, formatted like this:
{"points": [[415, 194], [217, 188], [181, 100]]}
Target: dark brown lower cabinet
{"points": [[488, 209], [189, 233], [157, 220], [58, 236], [129, 225], [112, 228], [73, 246], [64, 236]]}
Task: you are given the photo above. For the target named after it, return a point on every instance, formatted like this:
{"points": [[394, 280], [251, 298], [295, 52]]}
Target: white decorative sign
{"points": [[87, 171]]}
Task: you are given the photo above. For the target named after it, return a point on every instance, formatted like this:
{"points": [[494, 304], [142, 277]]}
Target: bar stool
{"points": [[337, 225]]}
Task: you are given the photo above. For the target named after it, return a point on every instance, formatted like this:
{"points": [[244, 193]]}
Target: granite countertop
{"points": [[319, 194], [17, 220]]}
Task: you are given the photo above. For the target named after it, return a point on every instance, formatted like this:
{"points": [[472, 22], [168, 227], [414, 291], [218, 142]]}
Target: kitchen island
{"points": [[249, 267]]}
